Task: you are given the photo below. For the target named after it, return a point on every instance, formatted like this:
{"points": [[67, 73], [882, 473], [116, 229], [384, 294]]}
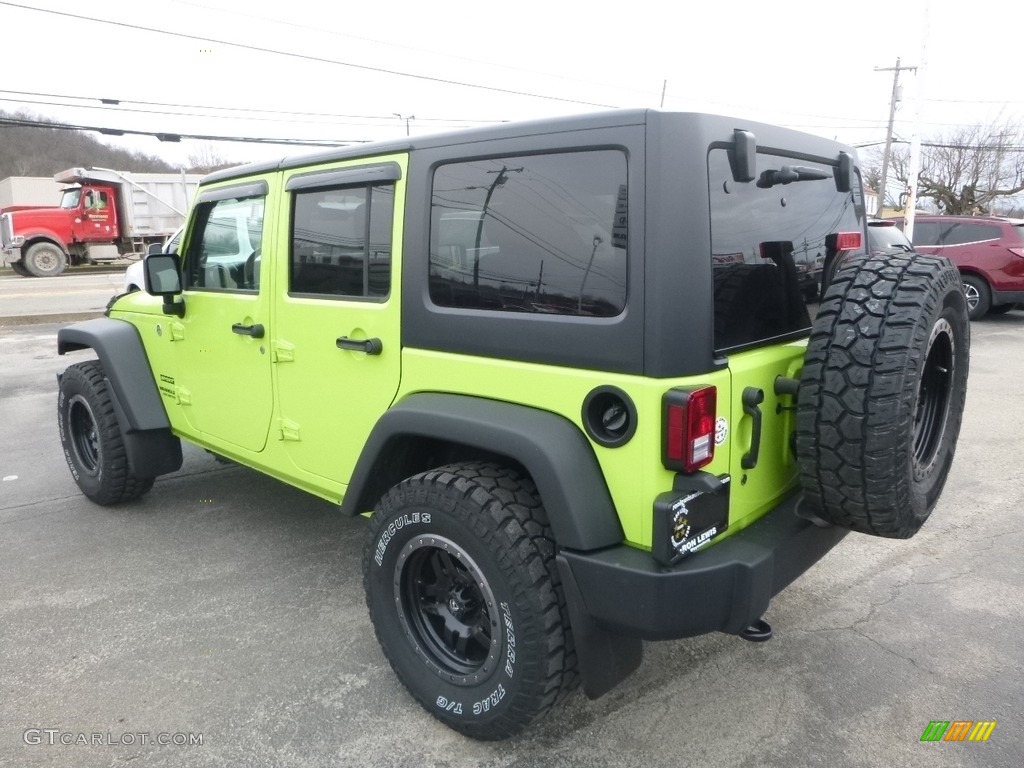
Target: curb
{"points": [[56, 318]]}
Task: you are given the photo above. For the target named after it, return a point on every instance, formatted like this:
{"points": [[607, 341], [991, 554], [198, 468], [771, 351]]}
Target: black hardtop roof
{"points": [[765, 134]]}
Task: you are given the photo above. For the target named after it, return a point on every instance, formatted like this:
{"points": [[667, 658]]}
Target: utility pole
{"points": [[407, 118], [888, 136]]}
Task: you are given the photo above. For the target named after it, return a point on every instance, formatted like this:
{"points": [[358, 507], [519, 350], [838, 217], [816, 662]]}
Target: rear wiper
{"points": [[788, 174]]}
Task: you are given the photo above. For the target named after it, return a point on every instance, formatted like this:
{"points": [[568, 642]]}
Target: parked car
{"points": [[989, 252], [133, 276], [884, 236]]}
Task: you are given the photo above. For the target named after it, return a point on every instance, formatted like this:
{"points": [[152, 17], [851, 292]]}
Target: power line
{"points": [[414, 49], [106, 101], [174, 137], [252, 118], [307, 57]]}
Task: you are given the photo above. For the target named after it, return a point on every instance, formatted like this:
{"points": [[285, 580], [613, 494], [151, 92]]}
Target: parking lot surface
{"points": [[227, 608]]}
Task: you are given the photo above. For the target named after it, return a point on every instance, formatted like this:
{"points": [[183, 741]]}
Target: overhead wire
{"points": [[306, 56], [173, 137]]}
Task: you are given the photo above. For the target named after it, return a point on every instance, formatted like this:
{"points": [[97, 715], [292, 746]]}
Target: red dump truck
{"points": [[103, 215]]}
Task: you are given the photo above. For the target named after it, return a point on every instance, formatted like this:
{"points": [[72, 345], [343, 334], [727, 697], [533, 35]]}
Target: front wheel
{"points": [[465, 598], [978, 295], [45, 260], [91, 437]]}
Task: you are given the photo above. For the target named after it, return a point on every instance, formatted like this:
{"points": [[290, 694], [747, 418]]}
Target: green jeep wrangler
{"points": [[579, 370]]}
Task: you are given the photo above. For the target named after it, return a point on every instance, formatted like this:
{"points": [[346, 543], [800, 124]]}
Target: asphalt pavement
{"points": [[227, 608]]}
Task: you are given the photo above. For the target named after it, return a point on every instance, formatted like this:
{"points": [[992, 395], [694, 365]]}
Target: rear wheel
{"points": [[465, 598], [882, 393], [45, 260], [91, 437], [979, 297]]}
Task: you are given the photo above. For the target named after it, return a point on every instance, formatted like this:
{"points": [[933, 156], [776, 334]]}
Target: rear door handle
{"points": [[369, 346], [255, 331]]}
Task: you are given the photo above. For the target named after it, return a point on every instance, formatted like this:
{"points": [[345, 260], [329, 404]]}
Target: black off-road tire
{"points": [[882, 392], [465, 598], [44, 260], [91, 438], [979, 296]]}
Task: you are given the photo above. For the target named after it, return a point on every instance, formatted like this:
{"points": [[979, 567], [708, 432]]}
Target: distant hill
{"points": [[41, 151]]}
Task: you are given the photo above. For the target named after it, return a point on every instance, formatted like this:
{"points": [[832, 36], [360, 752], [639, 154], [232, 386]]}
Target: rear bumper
{"points": [[1007, 297], [722, 589]]}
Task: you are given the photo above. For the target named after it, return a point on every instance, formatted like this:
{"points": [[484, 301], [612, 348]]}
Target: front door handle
{"points": [[369, 346], [255, 331]]}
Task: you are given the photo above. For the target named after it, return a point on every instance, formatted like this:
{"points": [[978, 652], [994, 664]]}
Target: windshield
{"points": [[71, 198]]}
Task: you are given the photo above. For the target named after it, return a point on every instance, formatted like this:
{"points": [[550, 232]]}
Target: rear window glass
{"points": [[769, 242], [954, 232], [540, 234]]}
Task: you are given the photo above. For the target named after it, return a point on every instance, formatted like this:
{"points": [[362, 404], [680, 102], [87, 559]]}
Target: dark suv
{"points": [[568, 366], [989, 253]]}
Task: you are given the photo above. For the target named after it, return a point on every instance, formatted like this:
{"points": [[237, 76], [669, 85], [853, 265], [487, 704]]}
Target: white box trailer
{"points": [[28, 191]]}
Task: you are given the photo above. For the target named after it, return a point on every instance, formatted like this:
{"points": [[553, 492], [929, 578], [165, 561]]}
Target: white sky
{"points": [[808, 64]]}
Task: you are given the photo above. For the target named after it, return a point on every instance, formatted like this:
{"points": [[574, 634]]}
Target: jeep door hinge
{"points": [[284, 352], [289, 429]]}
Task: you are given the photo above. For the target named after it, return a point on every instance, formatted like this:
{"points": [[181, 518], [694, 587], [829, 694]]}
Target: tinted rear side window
{"points": [[927, 233], [539, 233], [769, 242], [954, 232]]}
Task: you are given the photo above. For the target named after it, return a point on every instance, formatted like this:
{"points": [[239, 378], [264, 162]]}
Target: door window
{"points": [[341, 242], [224, 254]]}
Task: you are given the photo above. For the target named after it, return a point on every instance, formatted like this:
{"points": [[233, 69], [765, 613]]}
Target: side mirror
{"points": [[162, 273], [154, 248]]}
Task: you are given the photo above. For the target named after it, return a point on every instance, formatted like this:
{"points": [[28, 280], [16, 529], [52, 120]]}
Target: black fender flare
{"points": [[152, 448], [552, 449]]}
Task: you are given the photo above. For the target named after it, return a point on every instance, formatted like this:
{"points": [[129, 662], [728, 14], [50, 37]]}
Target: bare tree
{"points": [[968, 171], [873, 177], [205, 158]]}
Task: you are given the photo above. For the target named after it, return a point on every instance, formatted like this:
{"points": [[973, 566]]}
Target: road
{"points": [[227, 605], [69, 297]]}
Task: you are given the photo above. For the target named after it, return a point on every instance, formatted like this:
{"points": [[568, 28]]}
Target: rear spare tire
{"points": [[882, 392]]}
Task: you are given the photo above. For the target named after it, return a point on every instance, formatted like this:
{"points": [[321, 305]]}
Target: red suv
{"points": [[989, 252]]}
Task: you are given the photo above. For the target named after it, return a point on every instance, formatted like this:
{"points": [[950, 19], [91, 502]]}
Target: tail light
{"points": [[688, 418], [848, 241], [1017, 252]]}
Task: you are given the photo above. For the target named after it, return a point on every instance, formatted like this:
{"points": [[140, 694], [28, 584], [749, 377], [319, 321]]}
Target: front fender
{"points": [[152, 448], [35, 235], [551, 448]]}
